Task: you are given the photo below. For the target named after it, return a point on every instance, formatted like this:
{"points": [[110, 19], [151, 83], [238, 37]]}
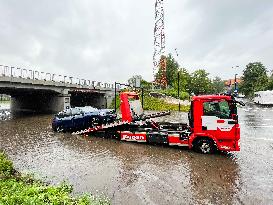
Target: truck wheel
{"points": [[204, 146]]}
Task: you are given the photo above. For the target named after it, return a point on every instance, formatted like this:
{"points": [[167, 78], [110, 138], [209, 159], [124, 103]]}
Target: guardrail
{"points": [[16, 72]]}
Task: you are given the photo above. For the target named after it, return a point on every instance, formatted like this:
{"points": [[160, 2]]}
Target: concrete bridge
{"points": [[32, 90]]}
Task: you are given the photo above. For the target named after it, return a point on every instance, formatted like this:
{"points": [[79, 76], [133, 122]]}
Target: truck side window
{"points": [[218, 109]]}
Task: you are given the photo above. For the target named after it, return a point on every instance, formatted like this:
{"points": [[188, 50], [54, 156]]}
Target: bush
{"points": [[6, 166], [155, 104], [173, 93], [151, 103], [14, 191], [19, 189]]}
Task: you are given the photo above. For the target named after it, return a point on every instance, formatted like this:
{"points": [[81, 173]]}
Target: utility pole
{"points": [[235, 84], [235, 81], [115, 97], [178, 83], [178, 90]]}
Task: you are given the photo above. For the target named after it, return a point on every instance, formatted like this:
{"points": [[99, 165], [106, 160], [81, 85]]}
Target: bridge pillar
{"points": [[109, 99], [60, 103]]}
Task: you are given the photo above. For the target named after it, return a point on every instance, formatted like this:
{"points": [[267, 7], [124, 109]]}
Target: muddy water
{"points": [[130, 173]]}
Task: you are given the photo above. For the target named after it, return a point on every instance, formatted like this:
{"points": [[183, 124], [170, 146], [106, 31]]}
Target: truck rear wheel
{"points": [[205, 146]]}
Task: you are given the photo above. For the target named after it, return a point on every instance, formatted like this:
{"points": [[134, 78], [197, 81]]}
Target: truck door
{"points": [[190, 116], [218, 120]]}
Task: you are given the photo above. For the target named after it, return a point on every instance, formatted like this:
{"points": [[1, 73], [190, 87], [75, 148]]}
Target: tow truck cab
{"points": [[213, 124], [213, 121]]}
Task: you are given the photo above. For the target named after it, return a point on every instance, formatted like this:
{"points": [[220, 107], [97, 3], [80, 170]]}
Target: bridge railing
{"points": [[17, 72]]}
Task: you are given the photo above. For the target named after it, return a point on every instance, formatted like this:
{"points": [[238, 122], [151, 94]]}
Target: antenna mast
{"points": [[159, 58]]}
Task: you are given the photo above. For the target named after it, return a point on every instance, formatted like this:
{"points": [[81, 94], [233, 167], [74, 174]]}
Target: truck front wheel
{"points": [[205, 146]]}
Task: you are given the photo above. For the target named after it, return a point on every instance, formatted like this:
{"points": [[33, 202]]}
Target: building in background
{"points": [[231, 86], [231, 82]]}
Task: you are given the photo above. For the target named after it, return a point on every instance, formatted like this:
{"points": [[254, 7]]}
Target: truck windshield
{"points": [[220, 109]]}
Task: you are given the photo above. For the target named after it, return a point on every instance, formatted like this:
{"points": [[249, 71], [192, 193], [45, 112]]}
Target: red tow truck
{"points": [[213, 124]]}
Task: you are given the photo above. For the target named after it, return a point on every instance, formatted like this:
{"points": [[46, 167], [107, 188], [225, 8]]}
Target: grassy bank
{"points": [[155, 104], [16, 188], [173, 93], [151, 103]]}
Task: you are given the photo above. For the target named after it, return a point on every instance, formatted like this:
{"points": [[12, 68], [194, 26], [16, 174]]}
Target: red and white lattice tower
{"points": [[159, 45]]}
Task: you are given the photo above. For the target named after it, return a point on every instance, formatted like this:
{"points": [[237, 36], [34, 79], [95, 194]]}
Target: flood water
{"points": [[130, 173]]}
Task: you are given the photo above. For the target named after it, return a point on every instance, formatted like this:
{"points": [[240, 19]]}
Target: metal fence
{"points": [[16, 72]]}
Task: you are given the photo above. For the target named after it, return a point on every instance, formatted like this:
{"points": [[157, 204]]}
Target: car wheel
{"points": [[59, 129]]}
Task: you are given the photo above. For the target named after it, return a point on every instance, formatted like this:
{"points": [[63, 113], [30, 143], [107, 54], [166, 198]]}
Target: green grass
{"points": [[155, 104], [151, 103], [18, 189], [6, 166], [173, 93]]}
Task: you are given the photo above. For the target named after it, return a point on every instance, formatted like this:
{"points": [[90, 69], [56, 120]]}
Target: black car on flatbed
{"points": [[80, 118]]}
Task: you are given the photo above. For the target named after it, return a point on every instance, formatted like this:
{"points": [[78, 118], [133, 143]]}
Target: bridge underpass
{"points": [[30, 93], [38, 101], [94, 99], [47, 101]]}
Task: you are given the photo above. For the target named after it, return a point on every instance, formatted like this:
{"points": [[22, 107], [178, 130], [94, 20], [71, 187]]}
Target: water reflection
{"points": [[146, 174], [214, 179], [5, 111], [5, 115]]}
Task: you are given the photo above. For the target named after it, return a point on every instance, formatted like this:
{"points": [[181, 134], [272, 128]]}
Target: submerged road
{"points": [[130, 173]]}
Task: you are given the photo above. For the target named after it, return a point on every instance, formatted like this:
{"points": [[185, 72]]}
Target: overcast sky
{"points": [[111, 40]]}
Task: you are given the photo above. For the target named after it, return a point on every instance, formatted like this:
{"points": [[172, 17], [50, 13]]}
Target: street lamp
{"points": [[178, 90], [235, 83], [178, 83]]}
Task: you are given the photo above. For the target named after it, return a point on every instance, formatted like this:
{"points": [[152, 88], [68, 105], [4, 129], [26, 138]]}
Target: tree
{"points": [[146, 85], [200, 82], [161, 78], [218, 85], [143, 83], [171, 71], [270, 83], [254, 78], [133, 80], [184, 79]]}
